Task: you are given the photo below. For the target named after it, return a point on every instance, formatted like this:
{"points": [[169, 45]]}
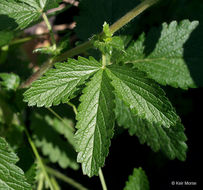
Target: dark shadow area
{"points": [[151, 40], [193, 54], [7, 23]]}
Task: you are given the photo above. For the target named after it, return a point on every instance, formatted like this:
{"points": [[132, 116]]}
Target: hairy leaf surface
{"points": [[24, 12], [137, 181], [171, 141], [57, 85], [161, 54], [95, 123], [142, 95], [11, 176]]}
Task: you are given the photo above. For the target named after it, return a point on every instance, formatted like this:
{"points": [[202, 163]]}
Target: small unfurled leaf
{"points": [[142, 95], [110, 45], [95, 123], [137, 181], [11, 176], [59, 84], [46, 135], [171, 141], [10, 81], [107, 31], [47, 50], [161, 54]]}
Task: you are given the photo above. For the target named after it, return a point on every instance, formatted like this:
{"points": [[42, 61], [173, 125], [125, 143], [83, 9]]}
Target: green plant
{"points": [[118, 83]]}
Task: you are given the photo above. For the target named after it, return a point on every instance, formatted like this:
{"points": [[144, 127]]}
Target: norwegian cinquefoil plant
{"points": [[122, 85]]}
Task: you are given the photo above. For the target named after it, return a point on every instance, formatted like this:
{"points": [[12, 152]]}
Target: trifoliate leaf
{"points": [[11, 176], [24, 12], [52, 145], [161, 54], [171, 141], [57, 85], [142, 95], [137, 181], [95, 123], [10, 81]]}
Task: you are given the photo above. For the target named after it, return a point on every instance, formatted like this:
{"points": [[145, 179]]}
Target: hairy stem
{"points": [[41, 164], [101, 177], [46, 20], [65, 178], [131, 15], [87, 45]]}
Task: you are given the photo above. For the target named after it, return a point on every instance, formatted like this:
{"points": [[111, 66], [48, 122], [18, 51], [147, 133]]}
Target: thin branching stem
{"points": [[74, 107], [60, 118], [41, 164], [101, 177], [46, 20], [66, 179]]}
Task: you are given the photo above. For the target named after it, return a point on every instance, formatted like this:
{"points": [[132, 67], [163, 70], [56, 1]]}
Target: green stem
{"points": [[89, 44], [74, 51], [101, 177], [65, 178], [41, 182], [103, 61], [74, 107], [46, 20], [60, 118], [26, 39], [132, 14], [55, 184], [41, 164]]}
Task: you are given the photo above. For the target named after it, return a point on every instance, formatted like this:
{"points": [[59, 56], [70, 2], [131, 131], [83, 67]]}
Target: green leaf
{"points": [[171, 141], [137, 181], [10, 81], [11, 176], [144, 97], [60, 84], [95, 123], [46, 136], [24, 12], [161, 54]]}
